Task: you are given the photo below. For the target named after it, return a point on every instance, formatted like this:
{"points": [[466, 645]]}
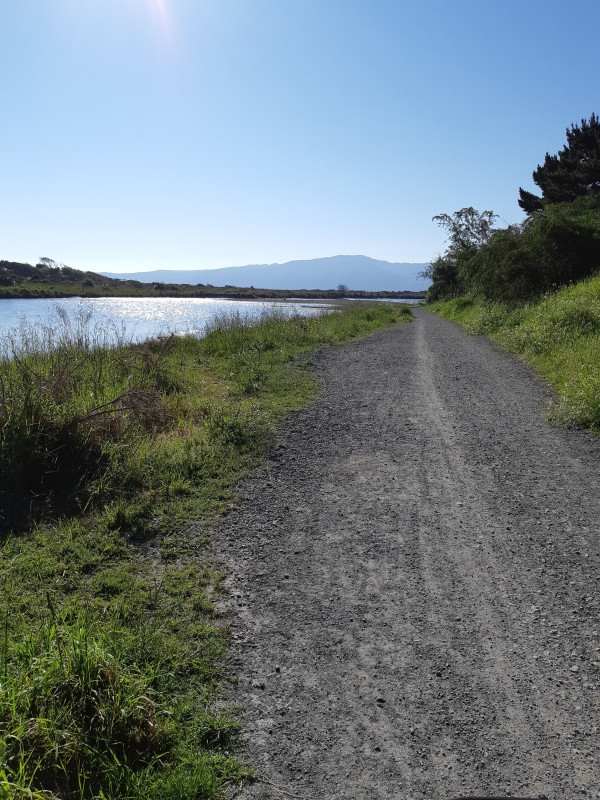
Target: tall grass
{"points": [[69, 404], [114, 695], [559, 336], [112, 460]]}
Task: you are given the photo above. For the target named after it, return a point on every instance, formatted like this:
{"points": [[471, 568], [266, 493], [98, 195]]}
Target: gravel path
{"points": [[416, 578]]}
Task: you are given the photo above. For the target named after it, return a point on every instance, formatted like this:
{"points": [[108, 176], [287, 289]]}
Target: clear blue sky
{"points": [[146, 134]]}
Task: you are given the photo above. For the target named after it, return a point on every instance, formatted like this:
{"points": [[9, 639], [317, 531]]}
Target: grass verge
{"points": [[112, 655], [559, 336]]}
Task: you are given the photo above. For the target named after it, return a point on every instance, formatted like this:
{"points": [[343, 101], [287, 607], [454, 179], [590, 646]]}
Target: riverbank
{"points": [[25, 281], [557, 335], [55, 281], [216, 293], [112, 654]]}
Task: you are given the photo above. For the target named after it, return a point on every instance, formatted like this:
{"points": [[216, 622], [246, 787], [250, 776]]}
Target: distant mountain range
{"points": [[354, 272]]}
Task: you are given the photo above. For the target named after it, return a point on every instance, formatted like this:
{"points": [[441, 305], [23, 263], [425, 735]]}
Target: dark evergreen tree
{"points": [[574, 172], [529, 202]]}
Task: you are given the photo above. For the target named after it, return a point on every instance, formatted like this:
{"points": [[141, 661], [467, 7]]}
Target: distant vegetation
{"points": [[558, 244], [112, 652], [51, 279]]}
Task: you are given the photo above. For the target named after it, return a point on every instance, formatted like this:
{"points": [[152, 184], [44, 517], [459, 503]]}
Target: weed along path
{"points": [[416, 575]]}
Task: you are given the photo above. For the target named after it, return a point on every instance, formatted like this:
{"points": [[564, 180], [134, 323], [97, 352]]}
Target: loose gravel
{"points": [[415, 574]]}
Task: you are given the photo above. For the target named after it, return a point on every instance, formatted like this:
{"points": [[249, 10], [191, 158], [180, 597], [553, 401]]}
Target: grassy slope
{"points": [[111, 652], [559, 336]]}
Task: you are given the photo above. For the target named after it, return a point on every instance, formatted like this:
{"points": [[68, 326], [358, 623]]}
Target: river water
{"points": [[139, 318]]}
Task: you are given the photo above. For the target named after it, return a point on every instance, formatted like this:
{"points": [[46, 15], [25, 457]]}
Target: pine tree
{"points": [[573, 172]]}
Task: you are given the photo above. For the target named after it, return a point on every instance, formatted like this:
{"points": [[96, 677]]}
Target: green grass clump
{"points": [[112, 461], [558, 335]]}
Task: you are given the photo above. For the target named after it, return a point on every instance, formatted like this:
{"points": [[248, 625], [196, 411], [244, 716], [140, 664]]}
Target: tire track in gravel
{"points": [[416, 581]]}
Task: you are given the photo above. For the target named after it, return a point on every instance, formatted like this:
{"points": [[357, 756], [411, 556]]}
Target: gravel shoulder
{"points": [[415, 573]]}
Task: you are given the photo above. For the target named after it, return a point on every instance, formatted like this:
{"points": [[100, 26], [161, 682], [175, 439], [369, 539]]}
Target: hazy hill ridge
{"points": [[355, 272]]}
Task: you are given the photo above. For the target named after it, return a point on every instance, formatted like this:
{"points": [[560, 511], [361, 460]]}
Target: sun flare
{"points": [[163, 18]]}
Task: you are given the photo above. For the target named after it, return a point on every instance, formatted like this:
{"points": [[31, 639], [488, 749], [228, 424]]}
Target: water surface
{"points": [[139, 318]]}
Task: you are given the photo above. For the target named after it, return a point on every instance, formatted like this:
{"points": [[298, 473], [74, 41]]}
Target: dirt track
{"points": [[416, 577]]}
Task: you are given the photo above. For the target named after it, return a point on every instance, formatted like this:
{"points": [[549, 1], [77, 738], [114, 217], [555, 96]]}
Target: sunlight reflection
{"points": [[143, 317]]}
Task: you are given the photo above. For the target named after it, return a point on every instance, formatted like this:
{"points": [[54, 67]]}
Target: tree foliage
{"points": [[558, 243], [573, 172], [468, 230]]}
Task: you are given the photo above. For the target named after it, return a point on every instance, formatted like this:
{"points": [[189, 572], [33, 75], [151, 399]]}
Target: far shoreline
{"points": [[187, 292]]}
